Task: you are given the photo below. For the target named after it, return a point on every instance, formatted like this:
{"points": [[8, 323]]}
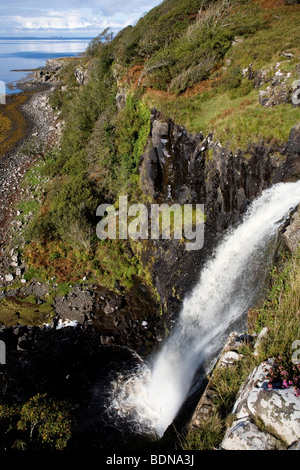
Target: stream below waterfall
{"points": [[228, 286]]}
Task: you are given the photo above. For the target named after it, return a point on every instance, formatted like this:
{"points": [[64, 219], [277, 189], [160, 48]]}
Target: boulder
{"points": [[274, 96], [277, 409], [245, 435], [295, 446]]}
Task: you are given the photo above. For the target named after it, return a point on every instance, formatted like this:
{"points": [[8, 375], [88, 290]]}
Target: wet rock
{"points": [[228, 357], [182, 167], [75, 306], [291, 234], [67, 364], [23, 343]]}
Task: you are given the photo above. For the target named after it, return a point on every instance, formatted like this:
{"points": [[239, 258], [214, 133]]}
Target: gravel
{"points": [[43, 130]]}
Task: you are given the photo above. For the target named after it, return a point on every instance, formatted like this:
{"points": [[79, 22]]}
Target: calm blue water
{"points": [[31, 53]]}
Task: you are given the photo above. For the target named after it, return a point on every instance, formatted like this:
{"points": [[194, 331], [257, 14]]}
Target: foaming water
{"points": [[150, 397]]}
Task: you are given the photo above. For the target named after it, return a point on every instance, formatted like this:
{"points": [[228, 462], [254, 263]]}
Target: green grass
{"points": [[236, 121], [281, 311], [266, 45], [226, 103]]}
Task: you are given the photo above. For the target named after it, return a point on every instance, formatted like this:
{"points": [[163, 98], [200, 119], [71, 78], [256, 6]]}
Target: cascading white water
{"points": [[152, 396]]}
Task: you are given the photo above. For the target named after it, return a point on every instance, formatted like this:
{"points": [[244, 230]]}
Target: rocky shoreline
{"points": [[42, 130]]}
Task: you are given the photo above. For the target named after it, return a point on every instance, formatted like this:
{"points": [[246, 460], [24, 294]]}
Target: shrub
{"points": [[131, 134], [40, 423], [46, 421]]}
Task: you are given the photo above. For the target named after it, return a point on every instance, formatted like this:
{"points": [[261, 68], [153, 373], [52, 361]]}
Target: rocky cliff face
{"points": [[190, 168]]}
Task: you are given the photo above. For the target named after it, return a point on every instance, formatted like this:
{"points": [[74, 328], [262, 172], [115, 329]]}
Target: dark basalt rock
{"points": [[293, 145]]}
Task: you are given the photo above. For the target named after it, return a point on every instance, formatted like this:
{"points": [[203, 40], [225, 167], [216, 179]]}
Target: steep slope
{"points": [[197, 103]]}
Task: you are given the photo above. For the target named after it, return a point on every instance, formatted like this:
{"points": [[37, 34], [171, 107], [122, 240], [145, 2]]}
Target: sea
{"points": [[20, 55]]}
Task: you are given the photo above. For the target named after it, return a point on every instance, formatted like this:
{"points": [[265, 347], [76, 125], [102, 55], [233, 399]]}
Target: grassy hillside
{"points": [[201, 62]]}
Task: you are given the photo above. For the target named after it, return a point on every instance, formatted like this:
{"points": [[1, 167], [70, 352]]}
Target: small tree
{"points": [[47, 421], [103, 38]]}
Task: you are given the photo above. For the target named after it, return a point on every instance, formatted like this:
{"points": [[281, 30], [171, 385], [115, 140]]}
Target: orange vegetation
{"points": [[15, 123], [269, 4], [57, 258], [133, 76]]}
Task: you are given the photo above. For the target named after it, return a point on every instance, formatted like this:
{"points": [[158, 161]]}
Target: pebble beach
{"points": [[35, 126]]}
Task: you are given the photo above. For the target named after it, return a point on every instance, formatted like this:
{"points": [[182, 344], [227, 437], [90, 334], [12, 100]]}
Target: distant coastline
{"points": [[17, 58], [21, 55]]}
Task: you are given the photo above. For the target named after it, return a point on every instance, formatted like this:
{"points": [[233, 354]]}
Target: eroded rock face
{"points": [[277, 409]]}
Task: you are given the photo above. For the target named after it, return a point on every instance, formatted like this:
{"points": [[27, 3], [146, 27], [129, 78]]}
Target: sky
{"points": [[69, 18]]}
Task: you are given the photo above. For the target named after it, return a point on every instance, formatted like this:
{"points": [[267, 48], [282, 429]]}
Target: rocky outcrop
{"points": [[124, 319], [81, 75], [293, 145], [265, 419], [279, 90], [290, 235], [191, 168], [245, 435]]}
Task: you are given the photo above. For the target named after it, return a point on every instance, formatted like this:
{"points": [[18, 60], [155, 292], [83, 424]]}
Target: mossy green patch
{"points": [[14, 311]]}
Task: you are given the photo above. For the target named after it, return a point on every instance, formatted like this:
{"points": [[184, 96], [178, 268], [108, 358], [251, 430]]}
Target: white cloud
{"points": [[70, 15], [53, 20], [68, 20]]}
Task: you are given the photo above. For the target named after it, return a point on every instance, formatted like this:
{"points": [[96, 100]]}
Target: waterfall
{"points": [[228, 284]]}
